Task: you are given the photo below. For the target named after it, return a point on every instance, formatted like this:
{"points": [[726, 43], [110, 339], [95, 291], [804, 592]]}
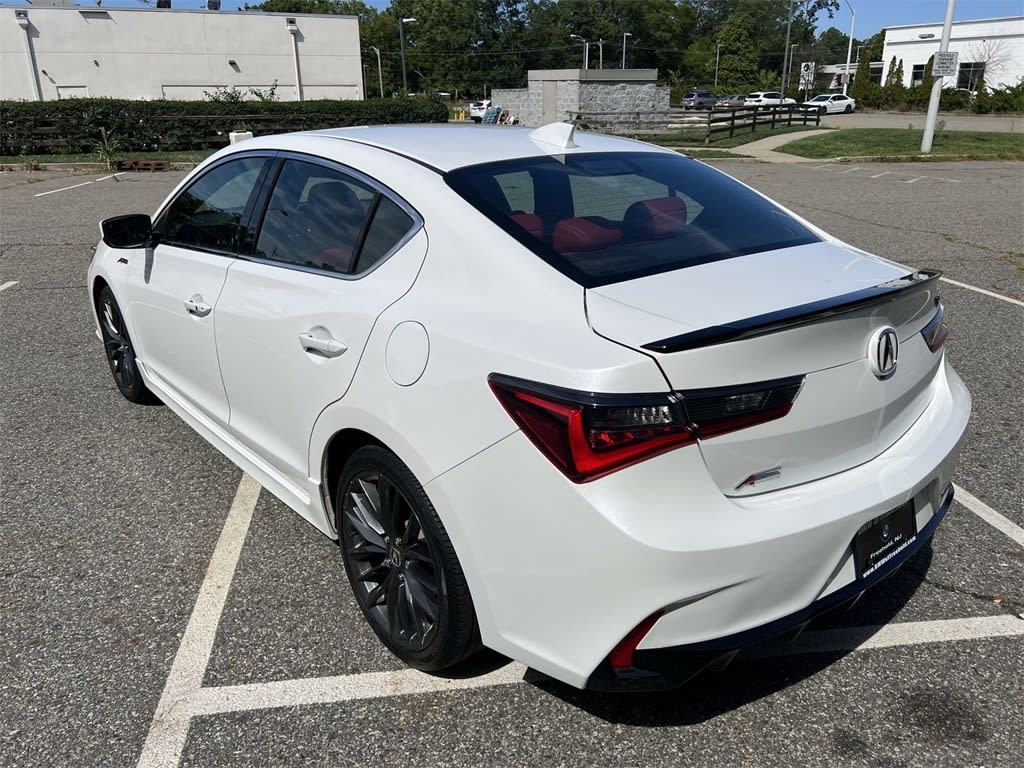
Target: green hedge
{"points": [[73, 125]]}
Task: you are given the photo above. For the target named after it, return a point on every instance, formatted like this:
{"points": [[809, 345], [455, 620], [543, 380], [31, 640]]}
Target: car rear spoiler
{"points": [[804, 314]]}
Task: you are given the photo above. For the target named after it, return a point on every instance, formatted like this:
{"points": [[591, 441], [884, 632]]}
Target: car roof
{"points": [[456, 145]]}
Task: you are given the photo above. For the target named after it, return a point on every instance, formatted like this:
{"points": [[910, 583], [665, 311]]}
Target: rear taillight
{"points": [[936, 332], [589, 435]]}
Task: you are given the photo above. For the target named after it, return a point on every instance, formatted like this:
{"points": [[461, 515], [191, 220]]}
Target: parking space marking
{"points": [[8, 284], [879, 175], [1001, 523], [333, 690], [993, 294], [184, 696], [374, 685], [167, 734], [850, 170], [76, 186]]}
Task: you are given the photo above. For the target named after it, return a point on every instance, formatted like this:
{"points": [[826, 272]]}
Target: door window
{"points": [[317, 217], [208, 215]]}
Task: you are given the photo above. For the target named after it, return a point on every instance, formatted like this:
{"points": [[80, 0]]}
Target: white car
{"points": [[767, 99], [656, 418], [478, 109], [831, 102]]}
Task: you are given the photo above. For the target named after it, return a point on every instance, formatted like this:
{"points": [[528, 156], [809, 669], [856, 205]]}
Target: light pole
{"points": [[401, 42], [933, 102], [789, 67], [600, 54], [624, 36], [380, 73], [718, 52], [586, 50], [849, 48]]}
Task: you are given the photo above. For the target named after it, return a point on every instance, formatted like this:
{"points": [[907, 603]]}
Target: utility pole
{"points": [[849, 48], [624, 36], [380, 73], [718, 51]]}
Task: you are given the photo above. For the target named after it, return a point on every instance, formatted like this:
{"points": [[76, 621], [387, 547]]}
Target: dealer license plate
{"points": [[882, 539]]}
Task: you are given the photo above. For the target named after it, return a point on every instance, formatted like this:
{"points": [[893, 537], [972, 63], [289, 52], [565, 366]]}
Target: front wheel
{"points": [[401, 564], [120, 352]]}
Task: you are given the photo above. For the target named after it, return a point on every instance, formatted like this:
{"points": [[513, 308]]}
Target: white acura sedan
{"points": [[584, 401]]}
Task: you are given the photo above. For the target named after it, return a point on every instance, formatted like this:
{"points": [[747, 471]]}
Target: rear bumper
{"points": [[667, 668], [561, 573]]}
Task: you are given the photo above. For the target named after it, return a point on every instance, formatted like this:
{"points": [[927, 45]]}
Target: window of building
{"points": [[917, 74], [970, 74]]}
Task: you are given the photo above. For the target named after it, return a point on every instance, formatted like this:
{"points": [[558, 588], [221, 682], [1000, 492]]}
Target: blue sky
{"points": [[872, 15]]}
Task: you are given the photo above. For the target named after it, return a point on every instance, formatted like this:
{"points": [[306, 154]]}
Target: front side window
{"points": [[604, 218], [322, 218], [208, 214]]}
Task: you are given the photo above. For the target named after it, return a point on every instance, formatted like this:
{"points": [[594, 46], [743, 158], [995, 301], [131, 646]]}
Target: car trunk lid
{"points": [[813, 311]]}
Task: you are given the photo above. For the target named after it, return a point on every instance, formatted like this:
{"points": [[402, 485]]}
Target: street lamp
{"points": [[624, 36], [718, 51], [401, 41], [789, 66], [600, 54], [849, 47], [586, 50], [380, 73]]}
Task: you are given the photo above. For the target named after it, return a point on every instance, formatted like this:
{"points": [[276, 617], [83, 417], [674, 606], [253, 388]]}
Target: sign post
{"points": [[933, 103]]}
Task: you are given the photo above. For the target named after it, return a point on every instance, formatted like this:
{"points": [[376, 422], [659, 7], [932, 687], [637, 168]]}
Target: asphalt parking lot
{"points": [[158, 609]]}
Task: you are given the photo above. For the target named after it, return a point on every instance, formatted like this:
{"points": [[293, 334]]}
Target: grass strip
{"points": [[905, 143]]}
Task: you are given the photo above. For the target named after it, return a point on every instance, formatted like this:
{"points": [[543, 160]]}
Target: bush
{"points": [[74, 125]]}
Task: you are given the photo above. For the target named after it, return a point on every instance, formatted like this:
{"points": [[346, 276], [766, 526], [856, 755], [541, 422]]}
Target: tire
{"points": [[401, 564], [848, 109], [822, 110], [120, 352]]}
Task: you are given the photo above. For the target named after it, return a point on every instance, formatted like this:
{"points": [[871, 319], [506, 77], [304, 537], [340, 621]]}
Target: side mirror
{"points": [[132, 231]]}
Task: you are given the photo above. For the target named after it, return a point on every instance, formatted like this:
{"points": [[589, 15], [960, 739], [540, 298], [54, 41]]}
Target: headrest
{"points": [[531, 222], [651, 219], [577, 234]]}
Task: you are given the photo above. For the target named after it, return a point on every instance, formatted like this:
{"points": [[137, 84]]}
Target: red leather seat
{"points": [[576, 235], [654, 219]]}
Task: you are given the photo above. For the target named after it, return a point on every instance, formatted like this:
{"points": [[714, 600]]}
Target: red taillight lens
{"points": [[589, 435], [936, 332]]}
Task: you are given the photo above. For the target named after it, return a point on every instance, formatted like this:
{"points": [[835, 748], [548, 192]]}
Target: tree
{"points": [[894, 92], [832, 46]]}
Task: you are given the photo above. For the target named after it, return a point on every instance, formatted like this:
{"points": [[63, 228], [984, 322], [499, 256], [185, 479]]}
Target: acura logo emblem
{"points": [[883, 350]]}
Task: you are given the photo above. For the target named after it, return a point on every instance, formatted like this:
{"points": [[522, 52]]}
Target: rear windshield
{"points": [[604, 218]]}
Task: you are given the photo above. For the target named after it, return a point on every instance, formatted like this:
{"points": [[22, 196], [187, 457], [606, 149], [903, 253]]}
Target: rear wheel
{"points": [[848, 109], [120, 352], [401, 564]]}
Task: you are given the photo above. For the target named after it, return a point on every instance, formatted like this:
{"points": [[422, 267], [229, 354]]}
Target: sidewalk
{"points": [[763, 150]]}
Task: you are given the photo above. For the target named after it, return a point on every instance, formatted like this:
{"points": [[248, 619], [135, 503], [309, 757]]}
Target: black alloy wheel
{"points": [[848, 109], [400, 563], [120, 352]]}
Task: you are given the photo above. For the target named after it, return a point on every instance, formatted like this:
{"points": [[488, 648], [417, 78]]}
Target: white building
{"points": [[149, 53], [989, 48]]}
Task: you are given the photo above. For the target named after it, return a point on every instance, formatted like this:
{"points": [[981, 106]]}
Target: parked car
{"points": [[478, 109], [698, 100], [831, 102], [767, 99], [543, 449], [731, 101]]}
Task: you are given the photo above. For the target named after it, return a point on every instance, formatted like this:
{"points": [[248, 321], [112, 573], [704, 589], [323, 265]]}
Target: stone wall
{"points": [[584, 92]]}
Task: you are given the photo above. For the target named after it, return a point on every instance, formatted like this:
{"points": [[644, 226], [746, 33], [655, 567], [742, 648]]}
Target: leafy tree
{"points": [[894, 92]]}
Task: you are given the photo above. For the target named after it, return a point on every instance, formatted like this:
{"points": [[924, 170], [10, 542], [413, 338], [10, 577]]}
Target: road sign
{"points": [[945, 64], [807, 75]]}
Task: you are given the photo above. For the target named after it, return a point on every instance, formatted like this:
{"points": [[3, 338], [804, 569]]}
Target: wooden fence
{"points": [[701, 124]]}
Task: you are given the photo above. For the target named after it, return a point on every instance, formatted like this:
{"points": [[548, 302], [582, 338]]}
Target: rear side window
{"points": [[604, 218], [321, 218]]}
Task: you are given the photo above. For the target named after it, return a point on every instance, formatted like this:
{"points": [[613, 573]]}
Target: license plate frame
{"points": [[880, 540]]}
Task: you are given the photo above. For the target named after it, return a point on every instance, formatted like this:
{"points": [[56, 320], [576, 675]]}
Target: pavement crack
{"points": [[1011, 603]]}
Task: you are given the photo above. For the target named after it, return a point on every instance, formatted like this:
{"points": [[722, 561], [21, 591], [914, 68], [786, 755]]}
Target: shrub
{"points": [[74, 125]]}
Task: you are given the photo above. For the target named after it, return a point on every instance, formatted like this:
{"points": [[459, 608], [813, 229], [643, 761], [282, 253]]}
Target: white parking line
{"points": [[8, 284], [879, 175], [76, 186], [989, 515], [982, 290], [850, 170], [911, 181], [63, 189], [167, 734]]}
